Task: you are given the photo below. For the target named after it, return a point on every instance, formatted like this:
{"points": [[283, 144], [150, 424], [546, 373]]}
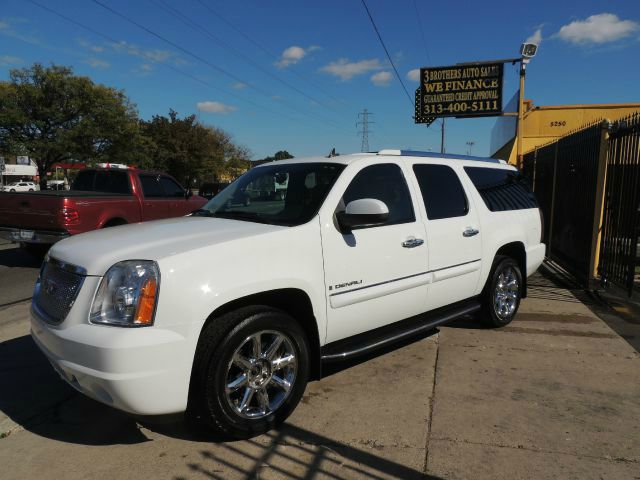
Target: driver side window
{"points": [[384, 182]]}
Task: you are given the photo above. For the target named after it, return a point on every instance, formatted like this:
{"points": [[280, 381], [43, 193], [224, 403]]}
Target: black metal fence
{"points": [[564, 177], [621, 217], [588, 187]]}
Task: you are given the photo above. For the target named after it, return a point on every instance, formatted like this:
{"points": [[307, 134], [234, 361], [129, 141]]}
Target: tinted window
{"points": [[111, 181], [84, 181], [442, 191], [151, 186], [387, 184], [171, 188], [502, 189]]}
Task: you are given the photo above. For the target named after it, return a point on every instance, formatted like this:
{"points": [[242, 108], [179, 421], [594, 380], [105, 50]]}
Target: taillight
{"points": [[70, 216]]}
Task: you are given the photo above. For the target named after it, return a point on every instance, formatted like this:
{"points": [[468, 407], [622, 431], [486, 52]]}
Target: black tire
{"points": [[500, 299], [214, 367]]}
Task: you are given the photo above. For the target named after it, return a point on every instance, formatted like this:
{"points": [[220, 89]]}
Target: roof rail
{"points": [[449, 156]]}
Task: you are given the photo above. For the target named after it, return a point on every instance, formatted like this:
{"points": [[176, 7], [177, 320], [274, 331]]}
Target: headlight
{"points": [[127, 295]]}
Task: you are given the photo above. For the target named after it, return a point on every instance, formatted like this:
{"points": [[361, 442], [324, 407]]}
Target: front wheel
{"points": [[253, 368], [501, 296]]}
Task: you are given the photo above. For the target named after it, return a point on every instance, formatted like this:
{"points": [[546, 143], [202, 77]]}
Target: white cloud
{"points": [[239, 86], [97, 63], [292, 55], [215, 107], [346, 70], [414, 75], [381, 79], [10, 61], [143, 70], [535, 38], [601, 28]]}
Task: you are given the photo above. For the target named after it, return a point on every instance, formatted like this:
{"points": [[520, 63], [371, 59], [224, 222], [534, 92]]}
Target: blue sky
{"points": [[294, 74]]}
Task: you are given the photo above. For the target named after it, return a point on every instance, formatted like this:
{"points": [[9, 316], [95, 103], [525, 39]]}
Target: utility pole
{"points": [[470, 144], [442, 149], [365, 129]]}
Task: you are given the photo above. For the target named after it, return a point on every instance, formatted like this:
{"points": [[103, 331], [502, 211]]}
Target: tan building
{"points": [[544, 124]]}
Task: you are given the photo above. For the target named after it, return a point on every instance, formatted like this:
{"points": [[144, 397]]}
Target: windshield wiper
{"points": [[238, 215], [202, 212]]}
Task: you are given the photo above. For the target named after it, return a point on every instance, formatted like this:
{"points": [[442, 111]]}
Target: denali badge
{"points": [[342, 285]]}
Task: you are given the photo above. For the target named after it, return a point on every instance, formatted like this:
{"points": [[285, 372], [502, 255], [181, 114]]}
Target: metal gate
{"points": [[619, 261]]}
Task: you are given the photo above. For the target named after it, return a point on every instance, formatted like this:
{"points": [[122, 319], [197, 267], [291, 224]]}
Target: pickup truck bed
{"points": [[47, 216]]}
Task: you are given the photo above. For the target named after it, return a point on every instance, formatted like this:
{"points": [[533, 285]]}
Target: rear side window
{"points": [[111, 181], [151, 186], [502, 190], [171, 188], [442, 192], [386, 183]]}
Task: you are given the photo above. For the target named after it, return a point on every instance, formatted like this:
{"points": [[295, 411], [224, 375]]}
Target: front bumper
{"points": [[144, 371], [32, 236]]}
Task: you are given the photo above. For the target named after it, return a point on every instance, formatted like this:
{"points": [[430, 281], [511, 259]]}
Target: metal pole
{"points": [[520, 114], [442, 150]]}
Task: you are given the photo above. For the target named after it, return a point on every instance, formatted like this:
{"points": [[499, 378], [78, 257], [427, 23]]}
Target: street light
{"points": [[527, 52]]}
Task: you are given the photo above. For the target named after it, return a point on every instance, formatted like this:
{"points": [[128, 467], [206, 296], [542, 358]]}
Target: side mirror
{"points": [[363, 213]]}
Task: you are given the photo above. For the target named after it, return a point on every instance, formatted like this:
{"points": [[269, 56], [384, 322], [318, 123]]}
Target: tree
{"points": [[52, 115], [189, 150], [279, 155]]}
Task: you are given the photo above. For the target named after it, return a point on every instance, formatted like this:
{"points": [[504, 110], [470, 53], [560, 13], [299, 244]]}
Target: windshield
{"points": [[289, 194]]}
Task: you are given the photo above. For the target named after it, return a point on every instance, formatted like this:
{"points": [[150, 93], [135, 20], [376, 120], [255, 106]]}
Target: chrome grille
{"points": [[56, 290]]}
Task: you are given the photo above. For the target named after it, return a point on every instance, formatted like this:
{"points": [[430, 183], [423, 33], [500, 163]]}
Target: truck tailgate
{"points": [[31, 210]]}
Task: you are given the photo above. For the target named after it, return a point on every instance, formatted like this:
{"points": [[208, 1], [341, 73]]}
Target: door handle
{"points": [[470, 232], [412, 243]]}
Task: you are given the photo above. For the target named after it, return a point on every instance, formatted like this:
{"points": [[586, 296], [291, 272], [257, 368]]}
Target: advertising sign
{"points": [[471, 90]]}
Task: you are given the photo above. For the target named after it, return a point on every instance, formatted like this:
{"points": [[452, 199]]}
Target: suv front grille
{"points": [[57, 289]]}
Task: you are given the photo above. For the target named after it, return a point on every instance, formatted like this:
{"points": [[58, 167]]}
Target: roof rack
{"points": [[416, 153]]}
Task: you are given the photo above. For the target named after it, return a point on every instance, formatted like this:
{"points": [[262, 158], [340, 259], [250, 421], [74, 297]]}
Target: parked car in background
{"points": [[208, 190], [21, 187], [98, 198], [230, 311], [56, 185]]}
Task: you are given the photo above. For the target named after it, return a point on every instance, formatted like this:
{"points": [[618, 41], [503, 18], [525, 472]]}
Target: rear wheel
{"points": [[502, 293], [252, 369]]}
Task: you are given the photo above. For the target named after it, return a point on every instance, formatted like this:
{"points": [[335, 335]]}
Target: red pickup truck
{"points": [[98, 198]]}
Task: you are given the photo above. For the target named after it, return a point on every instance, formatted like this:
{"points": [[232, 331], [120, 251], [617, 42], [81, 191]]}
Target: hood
{"points": [[98, 250]]}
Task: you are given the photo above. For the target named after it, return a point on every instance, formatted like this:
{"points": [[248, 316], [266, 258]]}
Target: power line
{"points": [[204, 31], [424, 41], [411, 101], [260, 46], [365, 129], [199, 58], [164, 63]]}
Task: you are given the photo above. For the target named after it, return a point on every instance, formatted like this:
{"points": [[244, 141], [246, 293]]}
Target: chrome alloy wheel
{"points": [[505, 295], [261, 374]]}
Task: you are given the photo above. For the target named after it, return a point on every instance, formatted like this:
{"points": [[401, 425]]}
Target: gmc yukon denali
{"points": [[98, 198], [228, 313]]}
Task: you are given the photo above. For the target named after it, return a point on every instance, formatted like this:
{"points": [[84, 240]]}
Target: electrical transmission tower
{"points": [[470, 144], [365, 128]]}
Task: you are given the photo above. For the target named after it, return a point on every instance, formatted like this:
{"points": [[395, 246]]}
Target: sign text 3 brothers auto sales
{"points": [[459, 91]]}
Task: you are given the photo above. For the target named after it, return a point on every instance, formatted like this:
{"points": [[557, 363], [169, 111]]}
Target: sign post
{"points": [[2, 169]]}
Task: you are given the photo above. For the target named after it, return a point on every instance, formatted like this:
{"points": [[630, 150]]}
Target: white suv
{"points": [[230, 311], [21, 187]]}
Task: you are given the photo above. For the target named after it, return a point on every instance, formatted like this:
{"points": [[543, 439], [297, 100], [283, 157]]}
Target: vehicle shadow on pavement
{"points": [[17, 257], [35, 398]]}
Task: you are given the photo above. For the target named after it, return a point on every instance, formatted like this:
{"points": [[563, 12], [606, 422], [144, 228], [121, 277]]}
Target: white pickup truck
{"points": [[228, 312]]}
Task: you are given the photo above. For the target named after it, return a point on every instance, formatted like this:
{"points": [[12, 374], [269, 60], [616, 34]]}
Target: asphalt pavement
{"points": [[553, 395], [18, 273]]}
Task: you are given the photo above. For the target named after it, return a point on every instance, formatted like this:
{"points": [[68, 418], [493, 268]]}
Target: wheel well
{"points": [[114, 222], [292, 301], [516, 251]]}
